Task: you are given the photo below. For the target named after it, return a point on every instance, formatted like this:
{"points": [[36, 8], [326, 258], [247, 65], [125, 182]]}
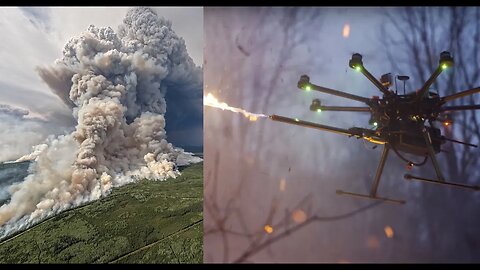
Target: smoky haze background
{"points": [[265, 173]]}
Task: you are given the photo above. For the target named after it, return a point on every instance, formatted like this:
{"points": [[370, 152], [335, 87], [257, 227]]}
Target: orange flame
{"points": [[211, 101]]}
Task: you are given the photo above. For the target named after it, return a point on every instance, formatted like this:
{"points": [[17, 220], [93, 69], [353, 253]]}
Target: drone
{"points": [[399, 121]]}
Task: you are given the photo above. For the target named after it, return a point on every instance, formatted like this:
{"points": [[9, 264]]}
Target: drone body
{"points": [[400, 121]]}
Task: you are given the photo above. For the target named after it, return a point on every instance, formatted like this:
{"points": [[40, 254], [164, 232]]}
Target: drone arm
{"points": [[344, 109], [446, 61], [338, 93], [302, 123], [304, 84], [429, 83], [462, 94], [460, 108], [357, 64], [377, 83], [410, 177]]}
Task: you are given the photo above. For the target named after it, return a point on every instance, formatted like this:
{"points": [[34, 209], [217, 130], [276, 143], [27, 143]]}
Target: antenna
{"points": [[404, 79], [396, 87]]}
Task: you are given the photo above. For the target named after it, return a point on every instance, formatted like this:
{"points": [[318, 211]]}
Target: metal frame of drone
{"points": [[356, 63]]}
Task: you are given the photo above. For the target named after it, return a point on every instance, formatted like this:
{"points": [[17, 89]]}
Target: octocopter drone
{"points": [[399, 121]]}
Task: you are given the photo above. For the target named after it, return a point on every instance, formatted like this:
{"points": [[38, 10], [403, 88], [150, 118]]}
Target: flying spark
{"points": [[268, 229], [283, 184], [346, 30], [388, 231], [299, 216], [211, 101]]}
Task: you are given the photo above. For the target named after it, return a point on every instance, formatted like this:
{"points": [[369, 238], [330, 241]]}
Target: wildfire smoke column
{"points": [[115, 84]]}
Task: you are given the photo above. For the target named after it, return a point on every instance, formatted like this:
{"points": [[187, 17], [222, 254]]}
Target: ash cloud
{"points": [[115, 83]]}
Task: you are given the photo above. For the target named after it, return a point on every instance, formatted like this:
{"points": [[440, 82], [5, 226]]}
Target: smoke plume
{"points": [[116, 85]]}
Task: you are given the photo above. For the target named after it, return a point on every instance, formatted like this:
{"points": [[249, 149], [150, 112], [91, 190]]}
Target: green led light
{"points": [[444, 66], [358, 68], [308, 88], [319, 110], [375, 123]]}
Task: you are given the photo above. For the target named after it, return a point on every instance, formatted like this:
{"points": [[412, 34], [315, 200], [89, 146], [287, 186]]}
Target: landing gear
{"points": [[411, 177], [376, 182], [440, 179]]}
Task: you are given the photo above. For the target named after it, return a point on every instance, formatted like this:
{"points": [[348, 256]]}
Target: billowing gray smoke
{"points": [[116, 84]]}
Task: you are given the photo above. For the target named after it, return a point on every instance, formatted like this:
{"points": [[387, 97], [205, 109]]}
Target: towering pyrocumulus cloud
{"points": [[116, 85]]}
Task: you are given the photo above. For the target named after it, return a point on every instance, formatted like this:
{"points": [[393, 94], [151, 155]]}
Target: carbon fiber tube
{"points": [[428, 83], [460, 108], [344, 109], [302, 123], [410, 177], [338, 93], [460, 142], [461, 94], [374, 81]]}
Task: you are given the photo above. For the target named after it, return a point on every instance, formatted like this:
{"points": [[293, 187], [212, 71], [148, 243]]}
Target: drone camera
{"points": [[446, 60], [316, 105], [356, 62], [304, 83]]}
